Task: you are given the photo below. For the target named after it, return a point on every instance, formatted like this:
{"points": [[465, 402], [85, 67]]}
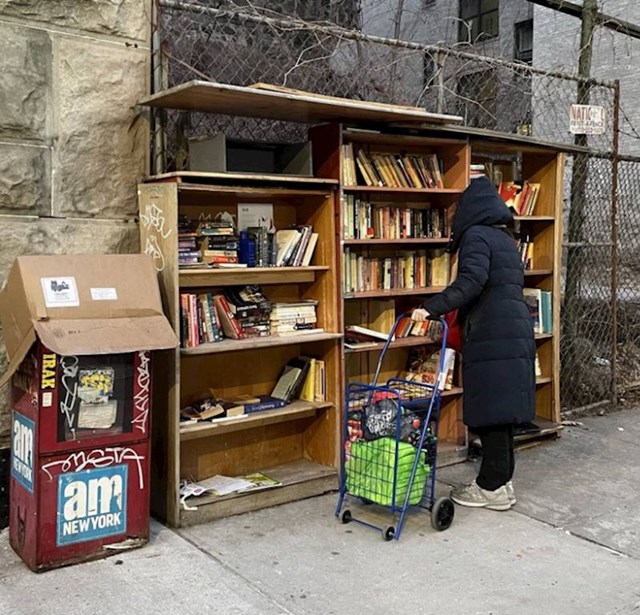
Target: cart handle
{"points": [[391, 335]]}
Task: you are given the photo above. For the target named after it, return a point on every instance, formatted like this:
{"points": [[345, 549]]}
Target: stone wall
{"points": [[71, 145]]}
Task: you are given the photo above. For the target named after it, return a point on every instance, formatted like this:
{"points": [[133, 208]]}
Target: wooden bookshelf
{"points": [[364, 307], [300, 443], [302, 438], [541, 164]]}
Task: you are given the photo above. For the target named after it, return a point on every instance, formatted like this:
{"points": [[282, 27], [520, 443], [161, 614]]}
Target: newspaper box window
{"points": [[80, 332]]}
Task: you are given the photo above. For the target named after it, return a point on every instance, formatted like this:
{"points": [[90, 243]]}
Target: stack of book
{"points": [[521, 198], [199, 323], [295, 318], [363, 220], [221, 247], [392, 170], [189, 253], [250, 312], [295, 246], [258, 247], [403, 270]]}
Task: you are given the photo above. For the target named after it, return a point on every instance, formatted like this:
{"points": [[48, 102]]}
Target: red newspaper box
{"points": [[79, 332]]}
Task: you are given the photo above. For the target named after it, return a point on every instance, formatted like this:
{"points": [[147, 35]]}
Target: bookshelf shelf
{"points": [[537, 272], [197, 278], [398, 292], [271, 341], [300, 479], [301, 432], [405, 342], [540, 380], [402, 191], [547, 219], [544, 336], [294, 411], [436, 241]]}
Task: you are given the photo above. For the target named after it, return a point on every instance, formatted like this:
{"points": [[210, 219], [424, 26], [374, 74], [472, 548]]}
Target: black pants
{"points": [[498, 458]]}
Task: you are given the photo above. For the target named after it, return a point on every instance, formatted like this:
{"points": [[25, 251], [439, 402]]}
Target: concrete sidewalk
{"points": [[570, 546]]}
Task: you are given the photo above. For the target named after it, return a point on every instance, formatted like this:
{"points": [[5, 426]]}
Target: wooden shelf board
{"points": [[534, 218], [258, 342], [294, 411], [201, 180], [300, 479], [450, 453], [540, 380], [195, 278], [257, 191], [407, 241], [538, 272], [285, 105], [404, 342], [398, 292], [404, 140], [544, 336], [453, 392], [547, 429], [385, 189]]}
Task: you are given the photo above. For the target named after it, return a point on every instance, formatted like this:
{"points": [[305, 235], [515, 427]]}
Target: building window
{"points": [[479, 20], [524, 41]]}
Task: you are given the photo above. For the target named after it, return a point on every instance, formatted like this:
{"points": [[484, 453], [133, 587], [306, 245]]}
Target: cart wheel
{"points": [[388, 532], [345, 516], [442, 514]]}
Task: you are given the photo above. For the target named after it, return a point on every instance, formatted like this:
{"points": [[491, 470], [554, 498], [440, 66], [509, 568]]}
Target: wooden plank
{"points": [[557, 285], [301, 479], [296, 410], [158, 204], [398, 292], [274, 180], [254, 191], [399, 140], [538, 272], [406, 241], [195, 278], [403, 191], [285, 90], [259, 342], [299, 107]]}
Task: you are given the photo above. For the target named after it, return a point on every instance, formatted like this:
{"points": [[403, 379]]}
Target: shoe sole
{"points": [[501, 507]]}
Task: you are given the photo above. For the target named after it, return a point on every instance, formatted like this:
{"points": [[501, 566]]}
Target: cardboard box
{"points": [[79, 332]]}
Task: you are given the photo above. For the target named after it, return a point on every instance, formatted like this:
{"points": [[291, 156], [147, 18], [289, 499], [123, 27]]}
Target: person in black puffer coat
{"points": [[498, 346]]}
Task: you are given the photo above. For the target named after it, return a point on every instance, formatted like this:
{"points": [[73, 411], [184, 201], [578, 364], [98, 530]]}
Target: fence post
{"points": [[614, 242], [157, 126]]}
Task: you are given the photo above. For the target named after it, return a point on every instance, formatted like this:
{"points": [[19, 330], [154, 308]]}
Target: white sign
{"points": [[587, 120], [104, 294], [60, 292], [255, 214]]}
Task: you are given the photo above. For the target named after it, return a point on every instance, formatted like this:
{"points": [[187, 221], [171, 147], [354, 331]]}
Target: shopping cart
{"points": [[390, 444]]}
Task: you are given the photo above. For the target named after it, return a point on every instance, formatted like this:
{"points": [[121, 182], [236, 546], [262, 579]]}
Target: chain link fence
{"points": [[319, 48]]}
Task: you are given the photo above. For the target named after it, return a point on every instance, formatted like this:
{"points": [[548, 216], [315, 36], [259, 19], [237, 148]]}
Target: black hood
{"points": [[480, 204]]}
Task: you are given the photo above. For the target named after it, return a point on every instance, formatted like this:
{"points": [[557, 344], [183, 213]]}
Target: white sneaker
{"points": [[511, 493], [475, 497]]}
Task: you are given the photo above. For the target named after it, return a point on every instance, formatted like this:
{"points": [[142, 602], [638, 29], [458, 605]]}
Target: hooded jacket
{"points": [[498, 351]]}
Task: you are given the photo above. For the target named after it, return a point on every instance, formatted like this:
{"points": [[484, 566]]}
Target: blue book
{"points": [[265, 403]]}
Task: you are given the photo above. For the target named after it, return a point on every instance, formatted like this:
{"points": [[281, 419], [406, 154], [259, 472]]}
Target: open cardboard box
{"points": [[82, 305]]}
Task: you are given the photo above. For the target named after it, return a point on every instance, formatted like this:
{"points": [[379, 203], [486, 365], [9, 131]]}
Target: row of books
{"points": [[521, 198], [424, 366], [358, 336], [216, 244], [390, 170], [364, 220], [403, 270], [540, 304], [240, 313]]}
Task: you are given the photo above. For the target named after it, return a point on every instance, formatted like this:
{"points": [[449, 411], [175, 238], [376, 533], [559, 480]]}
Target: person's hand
{"points": [[419, 315]]}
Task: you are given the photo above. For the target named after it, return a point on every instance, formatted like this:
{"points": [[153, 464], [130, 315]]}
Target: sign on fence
{"points": [[586, 120]]}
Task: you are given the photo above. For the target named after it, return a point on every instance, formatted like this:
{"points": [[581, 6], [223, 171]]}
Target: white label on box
{"points": [[104, 294], [60, 292], [47, 399]]}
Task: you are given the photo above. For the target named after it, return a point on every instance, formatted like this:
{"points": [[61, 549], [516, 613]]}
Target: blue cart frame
{"points": [[372, 474]]}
